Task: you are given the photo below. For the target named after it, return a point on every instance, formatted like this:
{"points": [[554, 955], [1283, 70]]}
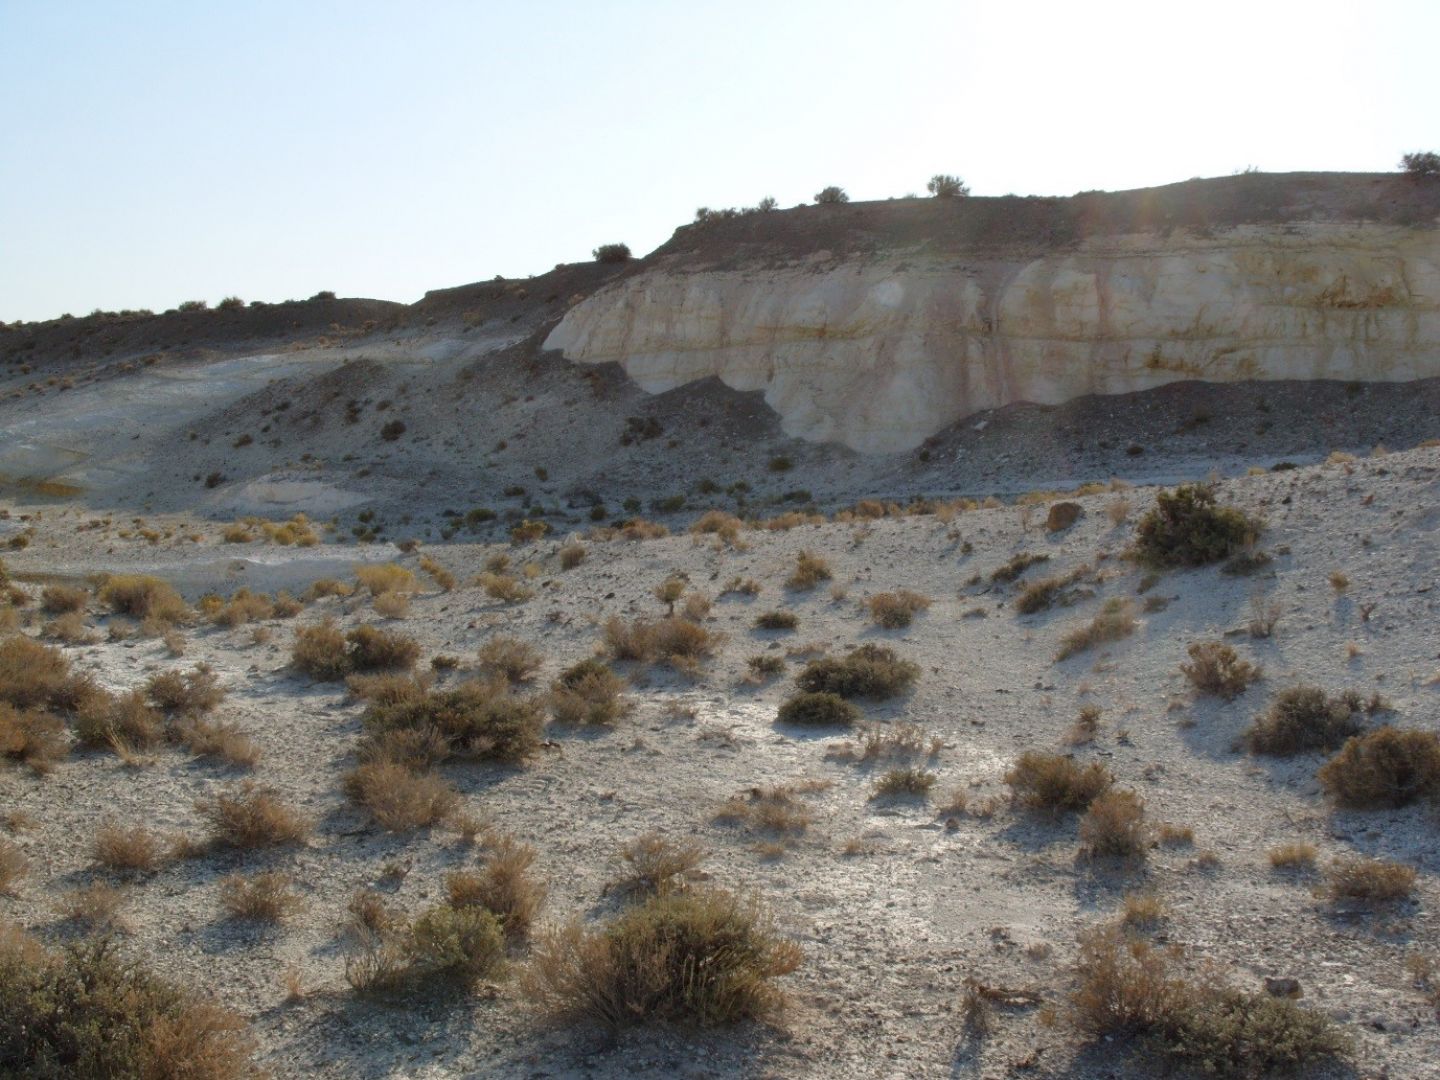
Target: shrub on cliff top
{"points": [[1421, 163], [612, 253], [944, 186]]}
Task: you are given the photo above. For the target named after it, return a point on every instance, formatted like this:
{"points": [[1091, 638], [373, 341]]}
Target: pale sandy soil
{"points": [[889, 933]]}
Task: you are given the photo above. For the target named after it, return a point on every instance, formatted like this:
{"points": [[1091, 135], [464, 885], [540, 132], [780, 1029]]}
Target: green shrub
{"points": [[1186, 528], [1384, 767], [818, 710], [868, 671], [699, 957], [831, 196], [464, 944]]}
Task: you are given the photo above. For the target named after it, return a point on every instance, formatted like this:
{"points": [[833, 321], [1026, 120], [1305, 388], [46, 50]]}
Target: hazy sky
{"points": [[156, 152]]}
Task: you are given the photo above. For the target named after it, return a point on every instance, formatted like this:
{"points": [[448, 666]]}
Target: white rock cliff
{"points": [[880, 352]]}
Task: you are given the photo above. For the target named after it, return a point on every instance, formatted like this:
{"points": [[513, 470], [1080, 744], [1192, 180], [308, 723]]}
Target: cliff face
{"points": [[882, 344]]}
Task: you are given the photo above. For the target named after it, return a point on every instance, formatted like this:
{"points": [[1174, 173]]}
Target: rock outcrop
{"points": [[858, 337]]}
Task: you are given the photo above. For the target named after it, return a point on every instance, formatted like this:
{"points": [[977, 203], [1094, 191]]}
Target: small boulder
{"points": [[1062, 515]]}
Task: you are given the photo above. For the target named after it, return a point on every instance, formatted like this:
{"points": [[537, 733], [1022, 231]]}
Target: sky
{"points": [[155, 152]]}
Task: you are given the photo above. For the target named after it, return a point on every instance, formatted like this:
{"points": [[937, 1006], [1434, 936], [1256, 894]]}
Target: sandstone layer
{"points": [[883, 348]]}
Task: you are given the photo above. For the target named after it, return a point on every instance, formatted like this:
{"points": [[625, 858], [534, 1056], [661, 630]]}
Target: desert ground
{"points": [[894, 900]]}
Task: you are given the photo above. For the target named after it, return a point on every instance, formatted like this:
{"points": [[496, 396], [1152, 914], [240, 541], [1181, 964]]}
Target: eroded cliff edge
{"points": [[877, 325]]}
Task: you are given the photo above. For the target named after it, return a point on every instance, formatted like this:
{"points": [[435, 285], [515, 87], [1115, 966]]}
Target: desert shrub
{"points": [[510, 657], [718, 523], [670, 590], [588, 693], [1186, 528], [1017, 565], [1040, 595], [31, 737], [1114, 826], [905, 780], [1115, 622], [85, 1012], [474, 720], [373, 649], [94, 907], [392, 430], [1303, 718], [777, 620], [320, 652], [944, 186], [1421, 163], [527, 532], [504, 886], [387, 689], [143, 597], [1216, 668], [571, 556], [324, 587], [678, 642], [830, 196], [185, 694], [868, 671], [810, 571], [818, 709], [1371, 881], [505, 588], [612, 253], [652, 864], [33, 675], [895, 610], [263, 897], [1384, 767], [1130, 987], [696, 607], [243, 607], [765, 667], [698, 957], [13, 865], [443, 577], [386, 577], [224, 741], [62, 599], [399, 798], [392, 605], [1056, 783], [133, 849], [1296, 856], [248, 816], [443, 944]]}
